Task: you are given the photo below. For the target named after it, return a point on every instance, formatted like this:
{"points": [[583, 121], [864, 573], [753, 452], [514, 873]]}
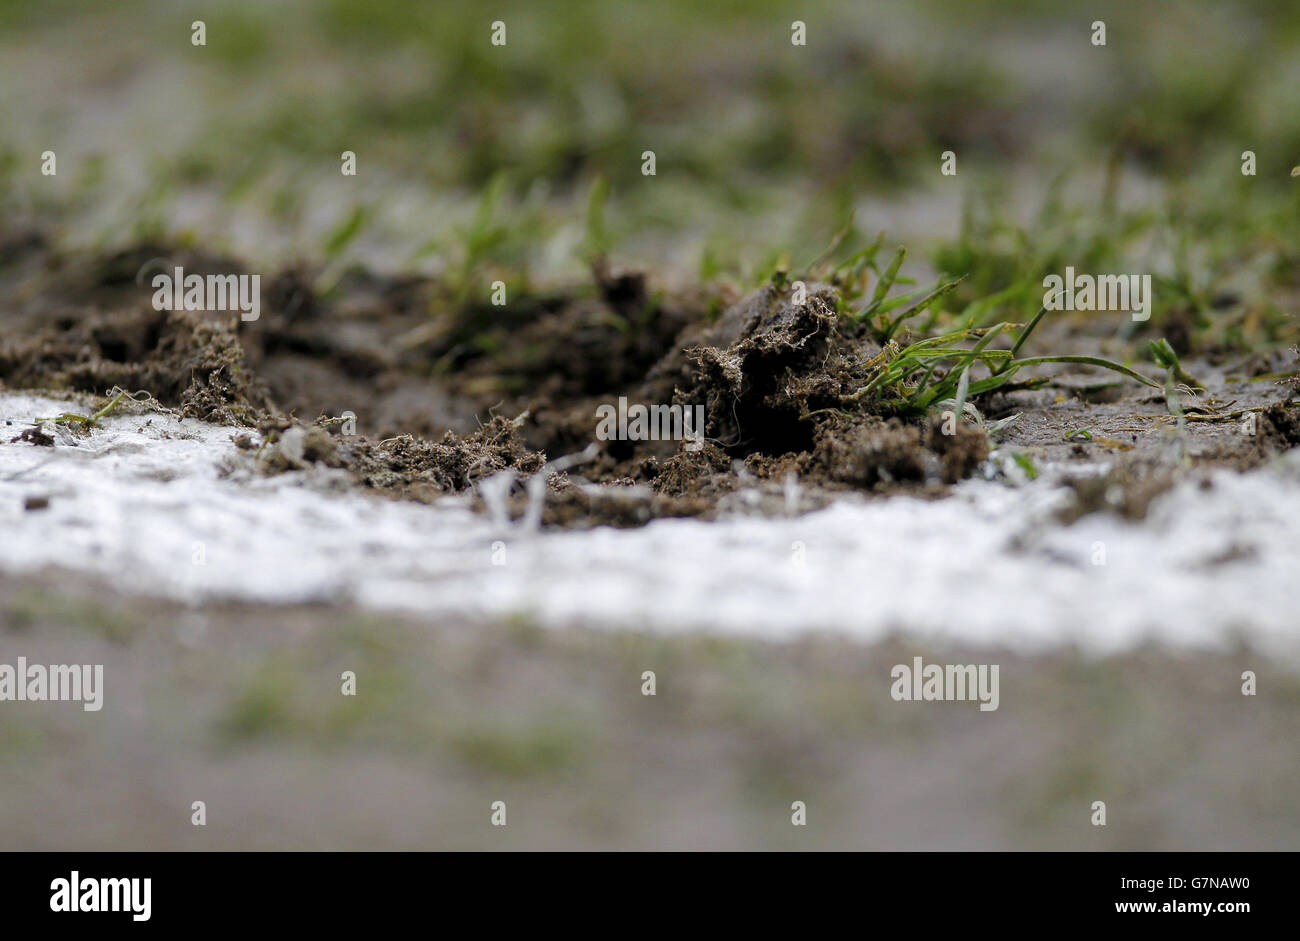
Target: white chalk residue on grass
{"points": [[147, 507]]}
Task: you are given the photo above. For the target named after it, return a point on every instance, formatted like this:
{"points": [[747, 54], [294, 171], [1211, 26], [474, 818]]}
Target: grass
{"points": [[937, 368], [28, 608], [539, 749], [864, 109], [915, 377], [85, 421]]}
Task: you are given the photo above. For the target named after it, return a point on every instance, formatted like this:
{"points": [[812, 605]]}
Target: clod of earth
{"points": [[798, 389]]}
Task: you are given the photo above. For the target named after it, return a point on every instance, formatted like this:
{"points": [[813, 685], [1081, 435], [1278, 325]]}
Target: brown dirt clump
{"points": [[406, 466], [288, 446], [879, 452], [869, 455], [1279, 426], [1127, 490], [85, 323], [413, 467], [960, 453], [35, 436], [706, 472], [783, 363], [188, 361]]}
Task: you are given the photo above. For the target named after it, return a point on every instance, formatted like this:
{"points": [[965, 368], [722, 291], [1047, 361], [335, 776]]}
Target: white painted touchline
{"points": [[148, 508]]}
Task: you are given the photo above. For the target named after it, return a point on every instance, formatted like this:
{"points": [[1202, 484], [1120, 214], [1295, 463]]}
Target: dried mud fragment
{"points": [[36, 435], [413, 467], [869, 454], [758, 388], [185, 359], [288, 446], [696, 473]]}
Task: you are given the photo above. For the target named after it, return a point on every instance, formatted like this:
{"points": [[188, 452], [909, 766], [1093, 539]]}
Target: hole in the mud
{"points": [[773, 434], [620, 450], [153, 333], [112, 346]]}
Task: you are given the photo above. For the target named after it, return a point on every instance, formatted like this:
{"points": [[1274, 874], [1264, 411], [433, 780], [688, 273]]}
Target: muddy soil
{"points": [[416, 393]]}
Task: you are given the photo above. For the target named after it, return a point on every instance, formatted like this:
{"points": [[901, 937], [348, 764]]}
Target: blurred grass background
{"points": [[762, 147], [239, 706]]}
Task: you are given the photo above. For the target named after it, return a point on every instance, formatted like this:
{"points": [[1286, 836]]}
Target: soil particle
{"points": [[38, 435]]}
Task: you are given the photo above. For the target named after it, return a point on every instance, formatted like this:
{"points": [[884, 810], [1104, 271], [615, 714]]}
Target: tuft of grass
{"points": [[345, 232], [949, 368], [33, 607], [597, 241], [520, 753], [71, 418], [1163, 355], [1026, 464], [264, 707], [915, 377]]}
